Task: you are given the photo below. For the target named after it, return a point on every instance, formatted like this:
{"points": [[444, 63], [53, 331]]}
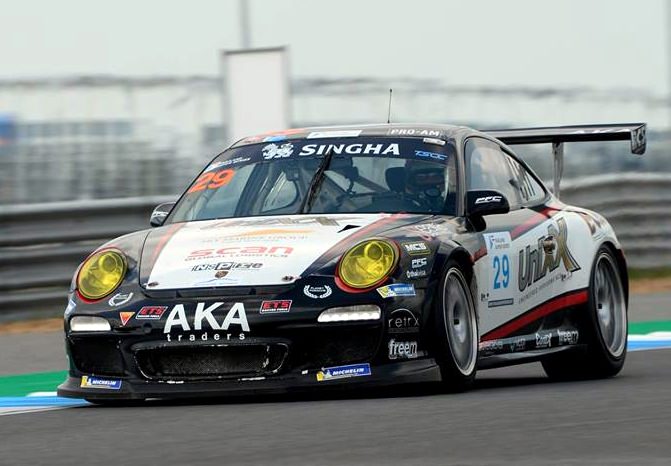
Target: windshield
{"points": [[353, 175]]}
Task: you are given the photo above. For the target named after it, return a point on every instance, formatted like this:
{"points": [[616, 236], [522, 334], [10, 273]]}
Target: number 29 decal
{"points": [[212, 180], [501, 266]]}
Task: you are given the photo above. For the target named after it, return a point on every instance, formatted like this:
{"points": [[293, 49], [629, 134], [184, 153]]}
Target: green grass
{"points": [[21, 385], [642, 274]]}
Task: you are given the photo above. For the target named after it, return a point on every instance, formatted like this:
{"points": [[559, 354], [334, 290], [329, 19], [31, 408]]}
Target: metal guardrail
{"points": [[41, 245]]}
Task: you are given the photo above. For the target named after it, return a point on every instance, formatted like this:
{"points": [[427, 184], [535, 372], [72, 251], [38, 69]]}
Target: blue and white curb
{"points": [[650, 341]]}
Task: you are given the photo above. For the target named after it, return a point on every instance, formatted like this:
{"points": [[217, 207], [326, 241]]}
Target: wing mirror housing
{"points": [[486, 202], [160, 213]]}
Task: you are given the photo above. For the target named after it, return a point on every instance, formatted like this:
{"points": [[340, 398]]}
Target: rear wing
{"points": [[558, 135]]}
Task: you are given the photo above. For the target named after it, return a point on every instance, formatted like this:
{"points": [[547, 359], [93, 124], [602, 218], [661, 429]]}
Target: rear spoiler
{"points": [[558, 135]]}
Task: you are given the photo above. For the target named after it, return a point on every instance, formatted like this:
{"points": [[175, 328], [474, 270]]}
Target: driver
{"points": [[425, 183]]}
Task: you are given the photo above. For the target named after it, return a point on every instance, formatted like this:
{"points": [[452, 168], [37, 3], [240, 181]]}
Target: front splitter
{"points": [[410, 371]]}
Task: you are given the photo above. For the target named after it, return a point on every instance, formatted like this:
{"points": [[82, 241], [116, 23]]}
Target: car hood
{"points": [[255, 250]]}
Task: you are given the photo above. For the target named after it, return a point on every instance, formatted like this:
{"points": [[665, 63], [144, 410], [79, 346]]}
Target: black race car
{"points": [[353, 256]]}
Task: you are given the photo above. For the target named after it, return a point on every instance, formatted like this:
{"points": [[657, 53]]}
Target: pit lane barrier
{"points": [[42, 244]]}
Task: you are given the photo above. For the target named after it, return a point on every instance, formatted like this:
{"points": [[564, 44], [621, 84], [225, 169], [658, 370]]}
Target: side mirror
{"points": [[160, 213], [486, 202]]}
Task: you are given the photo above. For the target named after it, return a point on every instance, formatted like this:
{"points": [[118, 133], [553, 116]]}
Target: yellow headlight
{"points": [[367, 263], [101, 274]]}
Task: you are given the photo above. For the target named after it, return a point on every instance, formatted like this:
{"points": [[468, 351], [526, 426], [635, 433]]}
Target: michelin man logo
{"points": [[273, 151]]}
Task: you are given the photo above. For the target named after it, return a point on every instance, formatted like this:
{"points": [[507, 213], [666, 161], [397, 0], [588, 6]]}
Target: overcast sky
{"points": [[599, 43]]}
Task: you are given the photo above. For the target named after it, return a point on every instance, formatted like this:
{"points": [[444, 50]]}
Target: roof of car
{"points": [[393, 130]]}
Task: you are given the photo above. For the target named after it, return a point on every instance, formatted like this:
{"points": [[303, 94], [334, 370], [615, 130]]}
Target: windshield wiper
{"points": [[317, 181]]}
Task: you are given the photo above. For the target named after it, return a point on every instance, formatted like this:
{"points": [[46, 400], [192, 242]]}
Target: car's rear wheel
{"points": [[456, 330], [605, 327]]}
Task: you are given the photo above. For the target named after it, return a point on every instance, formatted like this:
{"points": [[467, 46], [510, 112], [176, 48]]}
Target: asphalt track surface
{"points": [[513, 416]]}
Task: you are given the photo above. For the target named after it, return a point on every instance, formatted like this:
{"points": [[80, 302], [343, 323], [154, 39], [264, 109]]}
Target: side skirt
{"points": [[511, 359]]}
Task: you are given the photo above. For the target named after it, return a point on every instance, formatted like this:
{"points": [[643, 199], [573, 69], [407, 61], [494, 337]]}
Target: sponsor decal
{"points": [[343, 372], [150, 312], [431, 229], [488, 199], [543, 340], [270, 307], [491, 346], [226, 163], [414, 132], [402, 321], [517, 344], [235, 317], [352, 149], [499, 241], [241, 251], [317, 292], [430, 155], [334, 134], [302, 220], [501, 302], [498, 247], [418, 263], [402, 349], [415, 274], [568, 337], [416, 248], [273, 134], [125, 317], [595, 222], [227, 266], [535, 263], [96, 382], [120, 299], [277, 138], [264, 235], [158, 214], [396, 289], [274, 151]]}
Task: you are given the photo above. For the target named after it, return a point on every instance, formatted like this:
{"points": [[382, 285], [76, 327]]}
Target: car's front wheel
{"points": [[605, 329], [456, 327]]}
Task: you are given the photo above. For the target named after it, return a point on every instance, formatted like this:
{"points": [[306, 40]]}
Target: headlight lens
{"points": [[367, 263], [101, 274]]}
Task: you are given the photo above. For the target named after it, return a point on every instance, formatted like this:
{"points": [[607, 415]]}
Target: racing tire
{"points": [[456, 328], [605, 327]]}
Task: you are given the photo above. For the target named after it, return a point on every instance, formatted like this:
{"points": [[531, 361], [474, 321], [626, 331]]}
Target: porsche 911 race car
{"points": [[350, 256]]}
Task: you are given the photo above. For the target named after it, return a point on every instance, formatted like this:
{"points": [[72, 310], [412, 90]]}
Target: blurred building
{"points": [[103, 137]]}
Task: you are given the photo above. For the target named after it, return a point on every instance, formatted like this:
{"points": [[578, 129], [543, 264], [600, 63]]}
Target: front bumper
{"points": [[159, 357]]}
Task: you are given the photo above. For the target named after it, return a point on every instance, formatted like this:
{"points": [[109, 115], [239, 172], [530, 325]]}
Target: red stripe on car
{"points": [[545, 309]]}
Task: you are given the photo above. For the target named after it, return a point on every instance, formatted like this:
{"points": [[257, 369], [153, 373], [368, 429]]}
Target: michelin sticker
{"points": [[343, 372], [396, 289], [97, 382]]}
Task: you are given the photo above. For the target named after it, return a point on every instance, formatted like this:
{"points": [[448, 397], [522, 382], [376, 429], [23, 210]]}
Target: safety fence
{"points": [[41, 245]]}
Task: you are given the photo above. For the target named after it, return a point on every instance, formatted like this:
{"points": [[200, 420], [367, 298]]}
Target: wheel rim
{"points": [[460, 322], [611, 310]]}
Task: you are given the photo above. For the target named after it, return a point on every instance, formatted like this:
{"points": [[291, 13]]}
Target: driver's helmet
{"points": [[424, 178]]}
